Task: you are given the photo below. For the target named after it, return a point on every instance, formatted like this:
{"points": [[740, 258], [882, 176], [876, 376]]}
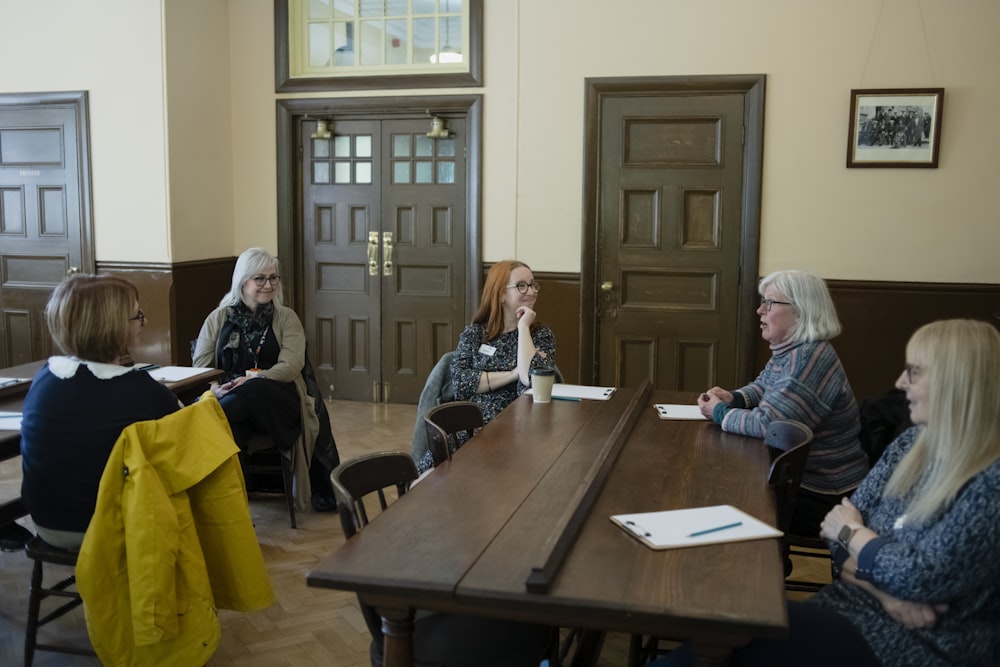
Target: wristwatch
{"points": [[845, 535]]}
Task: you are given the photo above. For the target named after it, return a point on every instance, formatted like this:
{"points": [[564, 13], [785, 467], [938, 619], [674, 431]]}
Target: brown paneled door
{"points": [[384, 253], [44, 213], [669, 241]]}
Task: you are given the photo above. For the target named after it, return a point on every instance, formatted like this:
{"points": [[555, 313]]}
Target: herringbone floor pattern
{"points": [[306, 626]]}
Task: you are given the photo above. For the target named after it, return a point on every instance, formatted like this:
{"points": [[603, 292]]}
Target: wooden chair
{"points": [[438, 638], [42, 552], [789, 443], [446, 422], [263, 460]]}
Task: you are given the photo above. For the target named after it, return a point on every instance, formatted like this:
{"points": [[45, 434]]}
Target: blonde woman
{"points": [[917, 543]]}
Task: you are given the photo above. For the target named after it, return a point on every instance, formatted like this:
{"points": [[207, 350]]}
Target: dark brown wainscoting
{"points": [[176, 298], [880, 317]]}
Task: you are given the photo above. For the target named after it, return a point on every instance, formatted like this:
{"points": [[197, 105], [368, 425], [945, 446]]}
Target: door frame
{"points": [[290, 113], [751, 86]]}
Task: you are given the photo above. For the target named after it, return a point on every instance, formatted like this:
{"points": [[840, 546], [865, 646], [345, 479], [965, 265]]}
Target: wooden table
{"points": [[467, 537]]}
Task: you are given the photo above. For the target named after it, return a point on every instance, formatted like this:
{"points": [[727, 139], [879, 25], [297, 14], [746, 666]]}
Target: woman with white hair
{"points": [[261, 346], [804, 381], [916, 544]]}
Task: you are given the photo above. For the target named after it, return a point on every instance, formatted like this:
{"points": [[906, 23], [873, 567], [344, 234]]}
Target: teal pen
{"points": [[717, 528], [565, 398]]}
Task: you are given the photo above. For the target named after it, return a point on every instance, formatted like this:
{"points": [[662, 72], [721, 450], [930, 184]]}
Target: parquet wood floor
{"points": [[306, 626]]}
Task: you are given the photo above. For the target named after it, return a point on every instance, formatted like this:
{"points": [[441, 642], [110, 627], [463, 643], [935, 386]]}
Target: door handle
{"points": [[387, 253], [72, 270], [607, 286], [373, 253]]}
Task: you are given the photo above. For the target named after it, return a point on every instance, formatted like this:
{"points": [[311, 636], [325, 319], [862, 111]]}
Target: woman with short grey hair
{"points": [[804, 381]]}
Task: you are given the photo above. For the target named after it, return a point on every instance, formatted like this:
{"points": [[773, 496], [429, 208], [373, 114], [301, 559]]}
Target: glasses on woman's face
{"points": [[913, 373], [140, 317], [260, 280], [523, 286], [769, 303]]}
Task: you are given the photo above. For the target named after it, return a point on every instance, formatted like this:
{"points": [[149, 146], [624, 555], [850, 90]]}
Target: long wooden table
{"points": [[469, 535]]}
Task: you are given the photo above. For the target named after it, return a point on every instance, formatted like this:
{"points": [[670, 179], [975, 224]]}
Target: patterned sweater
{"points": [[952, 559], [804, 381]]}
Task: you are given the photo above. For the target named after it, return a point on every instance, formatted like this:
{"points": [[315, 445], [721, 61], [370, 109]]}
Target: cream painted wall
{"points": [[113, 50], [866, 224], [873, 224], [200, 139]]}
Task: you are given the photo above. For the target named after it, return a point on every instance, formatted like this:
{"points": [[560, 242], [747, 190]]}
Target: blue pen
{"points": [[717, 528], [565, 398]]}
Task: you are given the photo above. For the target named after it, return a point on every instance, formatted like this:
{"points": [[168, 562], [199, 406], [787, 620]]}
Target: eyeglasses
{"points": [[913, 373], [522, 286], [260, 280], [768, 303], [141, 316]]}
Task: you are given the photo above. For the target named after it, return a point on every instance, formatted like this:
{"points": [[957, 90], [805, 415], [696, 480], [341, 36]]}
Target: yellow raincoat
{"points": [[171, 540]]}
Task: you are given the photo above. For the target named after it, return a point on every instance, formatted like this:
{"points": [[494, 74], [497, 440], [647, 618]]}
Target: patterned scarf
{"points": [[241, 337]]}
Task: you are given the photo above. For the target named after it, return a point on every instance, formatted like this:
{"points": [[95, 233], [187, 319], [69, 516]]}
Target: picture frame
{"points": [[895, 127]]}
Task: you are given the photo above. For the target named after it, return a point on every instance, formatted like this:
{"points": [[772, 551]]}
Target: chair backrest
{"points": [[437, 390], [358, 478], [790, 441], [446, 422]]}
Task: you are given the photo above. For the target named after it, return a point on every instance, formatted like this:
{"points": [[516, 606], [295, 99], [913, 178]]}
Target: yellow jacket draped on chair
{"points": [[171, 540]]}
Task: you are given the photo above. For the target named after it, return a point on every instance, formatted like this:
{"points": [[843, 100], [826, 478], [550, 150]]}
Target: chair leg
{"points": [[286, 478], [34, 605]]}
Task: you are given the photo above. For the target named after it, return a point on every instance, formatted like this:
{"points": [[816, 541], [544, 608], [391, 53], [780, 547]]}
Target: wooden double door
{"points": [[384, 252]]}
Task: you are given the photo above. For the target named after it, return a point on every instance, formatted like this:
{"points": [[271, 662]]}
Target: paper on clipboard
{"points": [[10, 421], [677, 411], [560, 390], [676, 529]]}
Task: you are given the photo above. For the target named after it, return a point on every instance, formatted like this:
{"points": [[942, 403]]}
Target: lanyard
{"points": [[260, 343]]}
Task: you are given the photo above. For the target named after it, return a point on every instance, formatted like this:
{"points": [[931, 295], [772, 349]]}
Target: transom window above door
{"points": [[329, 44]]}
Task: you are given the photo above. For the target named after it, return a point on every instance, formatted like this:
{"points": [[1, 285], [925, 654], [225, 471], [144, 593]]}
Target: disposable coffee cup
{"points": [[541, 384]]}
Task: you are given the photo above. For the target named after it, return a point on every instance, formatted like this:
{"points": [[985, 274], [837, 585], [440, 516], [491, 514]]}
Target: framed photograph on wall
{"points": [[895, 127]]}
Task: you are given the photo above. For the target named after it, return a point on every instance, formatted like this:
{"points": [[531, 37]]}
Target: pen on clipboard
{"points": [[698, 533]]}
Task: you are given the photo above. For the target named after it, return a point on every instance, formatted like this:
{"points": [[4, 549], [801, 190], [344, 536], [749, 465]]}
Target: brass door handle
{"points": [[373, 253], [386, 253], [72, 270], [607, 286]]}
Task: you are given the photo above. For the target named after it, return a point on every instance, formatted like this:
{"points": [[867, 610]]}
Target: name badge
{"points": [[488, 350]]}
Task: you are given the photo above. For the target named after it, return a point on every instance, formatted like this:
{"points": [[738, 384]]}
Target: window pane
{"points": [[371, 7], [319, 45], [363, 145], [343, 44], [343, 10], [425, 146], [425, 172], [396, 7], [371, 42], [401, 145], [397, 43], [451, 6], [363, 172], [451, 40], [321, 172], [423, 7], [400, 172], [319, 9], [446, 147], [424, 45], [321, 148], [342, 146], [446, 172], [342, 172]]}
